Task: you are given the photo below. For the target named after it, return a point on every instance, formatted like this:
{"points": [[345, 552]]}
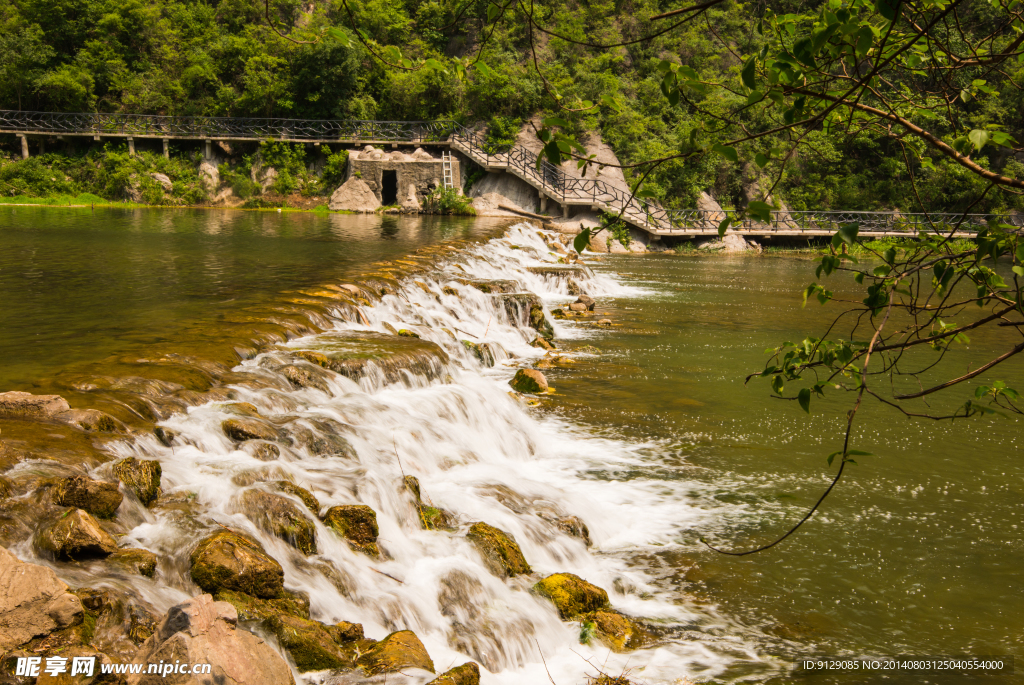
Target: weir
{"points": [[550, 181]]}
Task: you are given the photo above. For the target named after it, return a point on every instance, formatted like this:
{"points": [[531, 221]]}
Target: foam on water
{"points": [[479, 453]]}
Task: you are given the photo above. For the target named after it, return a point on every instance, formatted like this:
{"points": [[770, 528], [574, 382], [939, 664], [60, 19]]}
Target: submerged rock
{"points": [[91, 420], [322, 442], [530, 381], [201, 631], [307, 497], [499, 550], [493, 287], [240, 430], [228, 560], [75, 535], [96, 497], [261, 449], [466, 674], [309, 643], [572, 595], [396, 652], [33, 602], [25, 405], [431, 518], [574, 526], [141, 477], [616, 631], [305, 376], [279, 516], [357, 523], [357, 354], [138, 561]]}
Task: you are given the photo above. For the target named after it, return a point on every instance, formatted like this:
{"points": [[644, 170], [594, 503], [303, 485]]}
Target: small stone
{"points": [[139, 561], [75, 535], [574, 526], [406, 333], [281, 517], [587, 300], [397, 652], [357, 523], [466, 674], [543, 344], [530, 381], [500, 551], [141, 477], [572, 595], [604, 322], [228, 560], [248, 429], [96, 497], [165, 435], [578, 307]]}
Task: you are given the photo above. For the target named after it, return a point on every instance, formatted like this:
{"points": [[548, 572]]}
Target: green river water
{"points": [[918, 551]]}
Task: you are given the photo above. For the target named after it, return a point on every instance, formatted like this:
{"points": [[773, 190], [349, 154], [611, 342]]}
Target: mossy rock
{"points": [[308, 642], [397, 652], [139, 561], [228, 560], [73, 536], [243, 429], [141, 477], [500, 551], [493, 287], [540, 323], [572, 595], [529, 381], [344, 631], [281, 517], [466, 674], [256, 610], [543, 344], [322, 442], [574, 526], [406, 333], [431, 518], [357, 523], [307, 497], [94, 496], [305, 376], [356, 354], [517, 306], [614, 630]]}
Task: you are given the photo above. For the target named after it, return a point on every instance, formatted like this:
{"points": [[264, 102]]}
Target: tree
{"points": [[23, 57]]}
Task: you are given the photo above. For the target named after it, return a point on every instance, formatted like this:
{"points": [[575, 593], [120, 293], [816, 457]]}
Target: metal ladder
{"points": [[446, 166]]}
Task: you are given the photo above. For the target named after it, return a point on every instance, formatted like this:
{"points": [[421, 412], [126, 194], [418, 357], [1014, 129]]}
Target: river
{"points": [[651, 437]]}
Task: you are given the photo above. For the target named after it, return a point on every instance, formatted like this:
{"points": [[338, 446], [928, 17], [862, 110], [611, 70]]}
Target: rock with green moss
{"points": [[256, 610], [228, 560], [406, 333], [540, 323], [281, 517], [616, 631], [242, 429], [499, 550], [481, 351], [308, 642], [94, 496], [357, 523], [466, 674], [431, 517], [139, 561], [141, 476], [307, 497], [529, 381], [572, 595], [73, 536], [344, 631], [397, 652], [356, 354], [90, 420]]}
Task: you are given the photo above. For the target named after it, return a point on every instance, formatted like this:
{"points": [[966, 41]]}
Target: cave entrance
{"points": [[389, 188]]}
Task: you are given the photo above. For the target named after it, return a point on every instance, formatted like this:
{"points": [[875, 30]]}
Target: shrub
{"points": [[447, 201], [502, 134]]}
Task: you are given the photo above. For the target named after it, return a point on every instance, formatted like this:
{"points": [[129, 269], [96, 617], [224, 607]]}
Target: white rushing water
{"points": [[479, 453]]}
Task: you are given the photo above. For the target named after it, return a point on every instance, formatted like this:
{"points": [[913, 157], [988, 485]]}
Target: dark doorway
{"points": [[389, 188]]}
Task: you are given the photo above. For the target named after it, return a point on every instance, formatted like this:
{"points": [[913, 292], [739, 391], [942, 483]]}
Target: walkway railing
{"points": [[549, 179]]}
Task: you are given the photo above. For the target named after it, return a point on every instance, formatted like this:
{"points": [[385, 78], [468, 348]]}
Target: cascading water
{"points": [[478, 452]]}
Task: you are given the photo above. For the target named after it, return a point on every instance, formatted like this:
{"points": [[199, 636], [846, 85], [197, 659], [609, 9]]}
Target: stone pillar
{"points": [[42, 146], [208, 151], [131, 147], [24, 147], [543, 203], [565, 211], [167, 148]]}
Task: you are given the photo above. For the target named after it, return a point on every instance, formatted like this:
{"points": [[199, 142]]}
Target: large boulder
{"points": [[24, 405], [33, 602], [94, 496], [499, 550], [228, 560], [141, 476], [572, 595], [357, 523], [201, 631], [75, 535], [279, 516], [209, 176], [354, 196], [397, 652], [529, 381], [466, 674]]}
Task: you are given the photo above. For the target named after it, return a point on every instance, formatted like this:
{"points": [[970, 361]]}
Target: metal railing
{"points": [[552, 180]]}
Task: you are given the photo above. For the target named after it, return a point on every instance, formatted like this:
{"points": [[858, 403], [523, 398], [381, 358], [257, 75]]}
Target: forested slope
{"points": [[230, 58]]}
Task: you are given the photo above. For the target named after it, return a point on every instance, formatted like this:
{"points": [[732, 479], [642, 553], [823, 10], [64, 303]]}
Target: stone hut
{"points": [[398, 177]]}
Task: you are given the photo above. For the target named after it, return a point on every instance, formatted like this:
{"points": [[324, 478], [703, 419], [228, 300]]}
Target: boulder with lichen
{"points": [[397, 652], [529, 381], [138, 561], [357, 523], [572, 595], [141, 476], [466, 674], [499, 550]]}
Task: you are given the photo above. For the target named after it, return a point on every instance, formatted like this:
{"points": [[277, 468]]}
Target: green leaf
{"points": [[888, 8], [1019, 270], [551, 122], [833, 456], [978, 138], [889, 256], [848, 233], [724, 226], [760, 210], [881, 271], [484, 69], [582, 241], [728, 152], [804, 398], [747, 74], [492, 12], [778, 384], [761, 160], [865, 39]]}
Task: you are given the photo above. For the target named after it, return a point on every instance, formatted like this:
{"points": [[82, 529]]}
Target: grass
{"points": [[61, 200]]}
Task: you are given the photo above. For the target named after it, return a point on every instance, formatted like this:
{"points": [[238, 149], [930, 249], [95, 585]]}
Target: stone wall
{"points": [[417, 172]]}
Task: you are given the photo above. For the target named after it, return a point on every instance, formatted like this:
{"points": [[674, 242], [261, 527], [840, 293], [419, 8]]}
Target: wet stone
{"points": [[572, 595], [357, 523], [138, 561], [228, 560], [141, 477], [256, 610], [586, 300], [493, 287], [616, 631], [575, 527], [305, 377], [307, 497], [529, 381], [74, 536], [96, 497], [499, 550], [466, 674], [90, 420], [517, 306], [165, 435], [356, 354], [310, 645], [322, 442], [261, 449], [24, 405], [281, 517], [241, 430], [397, 652]]}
